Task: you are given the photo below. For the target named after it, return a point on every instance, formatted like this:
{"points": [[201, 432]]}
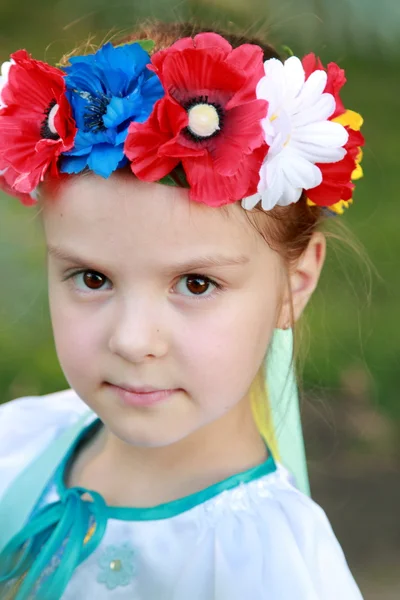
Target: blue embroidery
{"points": [[117, 566]]}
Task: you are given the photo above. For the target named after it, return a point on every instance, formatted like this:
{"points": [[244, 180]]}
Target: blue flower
{"points": [[107, 91], [117, 567]]}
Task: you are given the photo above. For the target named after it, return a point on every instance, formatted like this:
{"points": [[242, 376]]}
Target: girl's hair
{"points": [[286, 229]]}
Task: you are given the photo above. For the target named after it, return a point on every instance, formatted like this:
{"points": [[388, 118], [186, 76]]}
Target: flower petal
{"points": [[284, 176], [242, 133], [273, 192], [210, 187], [315, 153], [294, 77], [177, 148], [5, 70], [325, 133], [272, 86], [312, 89], [8, 178], [73, 164], [336, 184], [144, 141], [210, 39], [290, 194], [200, 41], [247, 58], [250, 202], [104, 159], [321, 110], [336, 80], [190, 74], [121, 109], [301, 173]]}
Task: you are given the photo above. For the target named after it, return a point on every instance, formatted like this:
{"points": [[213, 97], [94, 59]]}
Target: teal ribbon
{"points": [[21, 497], [283, 393], [59, 529]]}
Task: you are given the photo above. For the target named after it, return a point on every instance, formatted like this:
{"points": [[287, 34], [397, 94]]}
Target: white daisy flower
{"points": [[5, 69], [297, 131]]}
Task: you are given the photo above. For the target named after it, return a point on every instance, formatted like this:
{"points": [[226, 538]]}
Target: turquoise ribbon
{"points": [[284, 398], [21, 497], [62, 525]]}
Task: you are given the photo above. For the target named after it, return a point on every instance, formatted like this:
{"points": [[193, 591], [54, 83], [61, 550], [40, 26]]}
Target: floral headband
{"points": [[198, 114]]}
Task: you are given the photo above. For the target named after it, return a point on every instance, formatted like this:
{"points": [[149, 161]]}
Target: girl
{"points": [[182, 177]]}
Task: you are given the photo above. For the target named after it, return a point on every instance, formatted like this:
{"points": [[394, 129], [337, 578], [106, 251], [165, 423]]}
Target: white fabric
{"points": [[261, 540]]}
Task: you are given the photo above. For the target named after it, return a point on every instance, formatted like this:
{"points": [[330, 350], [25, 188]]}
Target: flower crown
{"points": [[198, 114]]}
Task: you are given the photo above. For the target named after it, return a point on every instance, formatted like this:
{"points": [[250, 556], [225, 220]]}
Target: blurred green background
{"points": [[351, 368]]}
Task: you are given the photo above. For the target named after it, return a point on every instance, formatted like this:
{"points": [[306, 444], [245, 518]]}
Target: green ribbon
{"points": [[59, 529], [282, 388]]}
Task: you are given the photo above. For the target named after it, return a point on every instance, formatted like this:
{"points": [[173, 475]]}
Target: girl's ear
{"points": [[302, 281]]}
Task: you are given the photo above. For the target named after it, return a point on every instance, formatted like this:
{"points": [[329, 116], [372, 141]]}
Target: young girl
{"points": [[181, 178]]}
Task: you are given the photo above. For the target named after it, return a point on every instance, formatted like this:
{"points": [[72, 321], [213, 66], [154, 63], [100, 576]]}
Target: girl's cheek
{"points": [[78, 341], [225, 342]]}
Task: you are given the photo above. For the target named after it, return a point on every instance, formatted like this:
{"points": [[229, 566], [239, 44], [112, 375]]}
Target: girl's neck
{"points": [[142, 477]]}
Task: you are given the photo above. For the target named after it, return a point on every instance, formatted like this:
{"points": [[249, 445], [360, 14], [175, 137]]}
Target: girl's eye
{"points": [[90, 280], [196, 285]]}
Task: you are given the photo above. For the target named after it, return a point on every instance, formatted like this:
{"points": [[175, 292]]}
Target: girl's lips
{"points": [[138, 397]]}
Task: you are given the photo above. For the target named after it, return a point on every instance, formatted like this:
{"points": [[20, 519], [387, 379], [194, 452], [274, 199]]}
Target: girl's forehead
{"points": [[91, 213]]}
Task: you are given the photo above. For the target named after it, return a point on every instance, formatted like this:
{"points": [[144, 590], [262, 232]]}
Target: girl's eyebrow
{"points": [[201, 262], [206, 262], [61, 254]]}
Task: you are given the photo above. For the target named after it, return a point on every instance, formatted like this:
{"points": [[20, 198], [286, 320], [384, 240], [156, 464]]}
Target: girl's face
{"points": [[150, 290]]}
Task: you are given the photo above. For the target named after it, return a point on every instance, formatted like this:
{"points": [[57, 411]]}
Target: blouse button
{"points": [[117, 566]]}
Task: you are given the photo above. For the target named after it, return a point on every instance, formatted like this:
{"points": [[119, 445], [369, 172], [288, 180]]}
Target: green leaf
{"points": [[176, 178], [181, 175], [287, 50], [168, 180], [147, 45]]}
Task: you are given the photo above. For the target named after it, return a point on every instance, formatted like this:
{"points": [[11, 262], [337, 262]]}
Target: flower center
{"points": [[48, 129], [93, 117], [203, 120], [51, 119]]}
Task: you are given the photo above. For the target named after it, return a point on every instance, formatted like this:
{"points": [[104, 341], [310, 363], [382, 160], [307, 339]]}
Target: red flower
{"points": [[36, 124], [7, 183], [209, 120], [336, 177]]}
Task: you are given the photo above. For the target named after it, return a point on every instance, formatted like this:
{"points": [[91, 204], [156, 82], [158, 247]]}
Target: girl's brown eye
{"points": [[197, 285], [93, 280], [90, 281]]}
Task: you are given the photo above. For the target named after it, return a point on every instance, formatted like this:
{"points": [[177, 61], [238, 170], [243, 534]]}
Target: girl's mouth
{"points": [[141, 395]]}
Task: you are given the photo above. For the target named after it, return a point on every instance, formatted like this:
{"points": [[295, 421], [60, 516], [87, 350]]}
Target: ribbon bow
{"points": [[53, 543]]}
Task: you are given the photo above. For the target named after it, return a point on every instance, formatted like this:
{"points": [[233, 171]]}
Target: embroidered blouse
{"points": [[253, 535]]}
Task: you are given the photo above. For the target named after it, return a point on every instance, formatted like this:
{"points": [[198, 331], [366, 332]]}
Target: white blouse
{"points": [[254, 537]]}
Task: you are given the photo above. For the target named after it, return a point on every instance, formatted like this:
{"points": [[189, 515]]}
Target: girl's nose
{"points": [[137, 333]]}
